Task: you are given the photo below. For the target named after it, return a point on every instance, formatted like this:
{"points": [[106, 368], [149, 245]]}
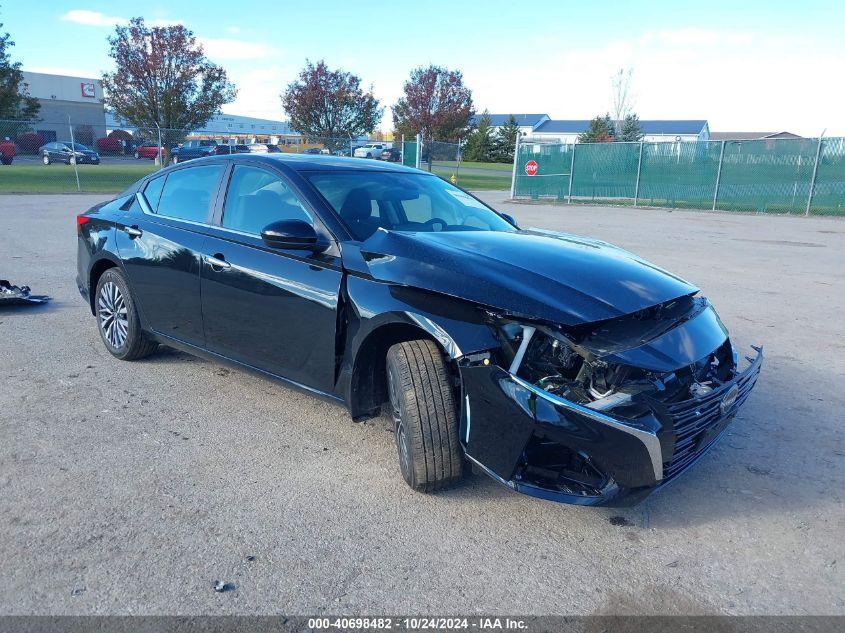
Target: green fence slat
{"points": [[761, 175], [829, 193], [605, 170], [767, 175], [409, 153]]}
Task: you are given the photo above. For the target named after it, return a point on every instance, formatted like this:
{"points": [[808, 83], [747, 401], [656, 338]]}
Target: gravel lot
{"points": [[131, 487]]}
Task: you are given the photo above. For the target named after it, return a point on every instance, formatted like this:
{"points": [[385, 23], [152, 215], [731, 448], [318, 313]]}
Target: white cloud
{"points": [[258, 92], [91, 18], [231, 49], [738, 80], [95, 18]]}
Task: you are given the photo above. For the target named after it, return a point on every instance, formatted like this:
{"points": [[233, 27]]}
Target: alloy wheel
{"points": [[113, 315]]}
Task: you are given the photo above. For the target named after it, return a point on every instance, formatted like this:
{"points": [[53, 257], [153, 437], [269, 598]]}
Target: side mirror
{"points": [[293, 235], [510, 219]]}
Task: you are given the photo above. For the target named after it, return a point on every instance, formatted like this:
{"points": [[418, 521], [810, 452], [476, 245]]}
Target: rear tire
{"points": [[137, 156], [425, 420], [117, 318]]}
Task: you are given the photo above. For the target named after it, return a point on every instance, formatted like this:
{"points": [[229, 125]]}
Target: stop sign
{"points": [[531, 168]]}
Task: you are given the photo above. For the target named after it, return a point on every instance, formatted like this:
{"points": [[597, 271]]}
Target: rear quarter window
{"points": [[152, 192]]}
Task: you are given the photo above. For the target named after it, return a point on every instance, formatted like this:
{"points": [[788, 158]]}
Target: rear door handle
{"points": [[133, 231], [217, 261]]}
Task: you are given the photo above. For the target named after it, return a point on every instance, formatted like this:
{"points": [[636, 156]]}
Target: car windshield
{"points": [[367, 201]]}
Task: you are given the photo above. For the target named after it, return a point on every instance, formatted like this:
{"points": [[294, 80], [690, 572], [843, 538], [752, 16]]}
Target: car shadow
{"points": [[770, 461]]}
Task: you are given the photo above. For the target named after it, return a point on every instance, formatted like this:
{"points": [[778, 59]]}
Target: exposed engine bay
{"points": [[574, 365], [635, 369]]}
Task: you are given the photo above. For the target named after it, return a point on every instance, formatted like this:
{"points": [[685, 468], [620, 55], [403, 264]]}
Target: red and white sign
{"points": [[531, 168], [88, 90]]}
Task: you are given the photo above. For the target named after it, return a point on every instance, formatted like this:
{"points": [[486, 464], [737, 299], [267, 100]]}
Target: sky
{"points": [[743, 66]]}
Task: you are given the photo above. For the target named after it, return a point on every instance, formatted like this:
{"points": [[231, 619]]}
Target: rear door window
{"points": [[187, 193]]}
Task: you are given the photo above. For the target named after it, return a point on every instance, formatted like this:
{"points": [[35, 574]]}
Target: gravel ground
{"points": [[129, 488]]}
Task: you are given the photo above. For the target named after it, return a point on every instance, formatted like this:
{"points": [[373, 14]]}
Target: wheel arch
{"points": [[368, 383], [96, 271]]}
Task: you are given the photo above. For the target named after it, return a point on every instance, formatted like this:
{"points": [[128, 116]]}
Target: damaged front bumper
{"points": [[542, 445], [15, 295]]}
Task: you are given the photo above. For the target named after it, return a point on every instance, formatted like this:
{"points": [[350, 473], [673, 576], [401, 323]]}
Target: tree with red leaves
{"points": [[163, 77], [436, 104], [330, 105]]}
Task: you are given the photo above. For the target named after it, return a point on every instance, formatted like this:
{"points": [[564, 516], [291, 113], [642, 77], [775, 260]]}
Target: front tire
{"points": [[174, 160], [117, 318], [425, 419], [45, 159]]}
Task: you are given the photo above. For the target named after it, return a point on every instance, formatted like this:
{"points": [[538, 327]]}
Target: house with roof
{"points": [[567, 131]]}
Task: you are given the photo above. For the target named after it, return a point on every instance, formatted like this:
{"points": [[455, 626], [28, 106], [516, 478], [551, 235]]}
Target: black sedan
{"points": [[68, 153], [564, 367], [391, 155]]}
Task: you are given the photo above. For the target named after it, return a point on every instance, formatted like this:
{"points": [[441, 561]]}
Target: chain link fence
{"points": [[797, 176], [59, 157]]}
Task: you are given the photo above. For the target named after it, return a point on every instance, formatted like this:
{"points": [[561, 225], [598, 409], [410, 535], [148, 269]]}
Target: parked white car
{"points": [[370, 150]]}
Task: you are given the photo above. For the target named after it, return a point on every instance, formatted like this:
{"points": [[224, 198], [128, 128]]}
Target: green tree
{"points": [[600, 130], [479, 144], [504, 142], [630, 130], [15, 102]]}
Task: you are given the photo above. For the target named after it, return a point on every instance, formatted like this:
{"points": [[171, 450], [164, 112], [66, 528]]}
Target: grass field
{"points": [[61, 178], [477, 182], [506, 167]]}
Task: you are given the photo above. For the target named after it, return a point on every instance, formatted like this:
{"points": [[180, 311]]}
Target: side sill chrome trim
{"points": [[649, 440]]}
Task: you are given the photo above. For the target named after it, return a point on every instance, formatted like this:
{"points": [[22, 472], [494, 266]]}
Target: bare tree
{"points": [[623, 98]]}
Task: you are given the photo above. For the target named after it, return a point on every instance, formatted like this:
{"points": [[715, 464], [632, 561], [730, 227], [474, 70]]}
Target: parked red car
{"points": [[148, 150], [7, 151]]}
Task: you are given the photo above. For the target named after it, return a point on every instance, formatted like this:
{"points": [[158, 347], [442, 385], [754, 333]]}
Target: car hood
{"points": [[537, 274]]}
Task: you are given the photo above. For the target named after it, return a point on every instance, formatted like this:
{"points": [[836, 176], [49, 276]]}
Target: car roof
{"points": [[321, 162]]}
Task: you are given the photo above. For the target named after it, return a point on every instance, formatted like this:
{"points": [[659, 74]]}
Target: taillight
{"points": [[80, 220]]}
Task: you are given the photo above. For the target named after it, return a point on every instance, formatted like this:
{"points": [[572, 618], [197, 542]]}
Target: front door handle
{"points": [[217, 262], [133, 231]]}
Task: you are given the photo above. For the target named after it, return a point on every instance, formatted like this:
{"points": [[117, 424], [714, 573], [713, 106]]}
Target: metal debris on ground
{"points": [[220, 586], [10, 294]]}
